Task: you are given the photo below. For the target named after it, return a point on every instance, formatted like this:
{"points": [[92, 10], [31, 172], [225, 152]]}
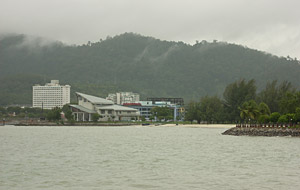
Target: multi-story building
{"points": [[51, 95], [145, 108], [107, 110], [124, 97], [177, 101]]}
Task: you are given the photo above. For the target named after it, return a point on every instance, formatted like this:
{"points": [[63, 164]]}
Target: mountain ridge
{"points": [[149, 66]]}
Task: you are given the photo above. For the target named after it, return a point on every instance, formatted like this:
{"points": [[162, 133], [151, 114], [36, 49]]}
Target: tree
{"points": [[68, 115], [14, 109], [283, 119], [297, 115], [273, 93], [67, 112], [54, 114], [162, 113], [211, 109], [2, 111], [264, 109], [274, 117], [264, 119], [235, 95], [95, 117], [193, 112], [143, 118], [289, 102], [290, 117], [249, 110]]}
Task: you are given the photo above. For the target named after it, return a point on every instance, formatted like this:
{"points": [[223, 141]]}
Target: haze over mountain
{"points": [[132, 62]]}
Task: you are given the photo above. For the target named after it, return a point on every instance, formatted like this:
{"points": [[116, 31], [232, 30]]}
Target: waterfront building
{"points": [[50, 95], [176, 101], [123, 97], [107, 110], [145, 107]]}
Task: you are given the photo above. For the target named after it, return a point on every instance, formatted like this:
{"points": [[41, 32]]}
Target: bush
{"points": [[54, 114], [263, 119], [143, 118], [290, 117], [283, 119], [297, 115], [95, 117], [274, 117]]}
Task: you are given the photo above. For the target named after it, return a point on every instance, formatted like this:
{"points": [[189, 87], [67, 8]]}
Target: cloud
{"points": [[272, 26]]}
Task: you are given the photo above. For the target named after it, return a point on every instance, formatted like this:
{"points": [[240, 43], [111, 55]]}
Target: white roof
{"points": [[83, 109], [94, 99], [116, 108], [145, 103]]}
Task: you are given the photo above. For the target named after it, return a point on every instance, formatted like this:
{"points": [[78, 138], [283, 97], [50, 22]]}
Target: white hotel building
{"points": [[51, 95]]}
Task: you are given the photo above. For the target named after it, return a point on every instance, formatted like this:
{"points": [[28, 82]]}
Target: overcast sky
{"points": [[268, 25]]}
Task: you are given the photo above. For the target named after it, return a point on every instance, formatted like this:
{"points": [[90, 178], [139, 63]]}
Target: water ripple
{"points": [[144, 158]]}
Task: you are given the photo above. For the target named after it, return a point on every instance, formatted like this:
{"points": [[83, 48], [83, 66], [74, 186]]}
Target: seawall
{"points": [[263, 131]]}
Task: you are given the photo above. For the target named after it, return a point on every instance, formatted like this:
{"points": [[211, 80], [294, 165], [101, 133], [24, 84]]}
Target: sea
{"points": [[143, 157]]}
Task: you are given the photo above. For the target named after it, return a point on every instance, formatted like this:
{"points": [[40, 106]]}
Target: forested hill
{"points": [[131, 62]]}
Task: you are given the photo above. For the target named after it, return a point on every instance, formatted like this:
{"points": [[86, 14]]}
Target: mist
{"points": [[271, 26]]}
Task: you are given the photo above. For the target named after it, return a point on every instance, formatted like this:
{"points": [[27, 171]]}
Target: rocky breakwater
{"points": [[260, 130]]}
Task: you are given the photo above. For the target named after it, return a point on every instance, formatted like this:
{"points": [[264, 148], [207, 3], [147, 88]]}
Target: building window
{"points": [[109, 112], [102, 111]]}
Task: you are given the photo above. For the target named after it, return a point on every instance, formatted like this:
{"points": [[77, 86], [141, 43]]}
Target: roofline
{"points": [[109, 102]]}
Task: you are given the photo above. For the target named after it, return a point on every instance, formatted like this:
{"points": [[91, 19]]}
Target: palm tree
{"points": [[249, 110], [264, 109], [244, 112]]}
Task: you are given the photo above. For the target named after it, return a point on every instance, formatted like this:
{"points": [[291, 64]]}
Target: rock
{"points": [[263, 131]]}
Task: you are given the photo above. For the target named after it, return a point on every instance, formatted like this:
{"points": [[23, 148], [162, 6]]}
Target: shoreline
{"points": [[223, 126]]}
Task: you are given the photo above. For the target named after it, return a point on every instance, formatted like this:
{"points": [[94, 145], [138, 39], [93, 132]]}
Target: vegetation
{"points": [[54, 114], [19, 112], [274, 93], [147, 66], [154, 68], [162, 113], [193, 112], [95, 117], [211, 109], [249, 110], [36, 113], [241, 103], [235, 95], [274, 117]]}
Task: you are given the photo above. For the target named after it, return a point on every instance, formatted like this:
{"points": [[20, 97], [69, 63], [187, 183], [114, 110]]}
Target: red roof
{"points": [[132, 104]]}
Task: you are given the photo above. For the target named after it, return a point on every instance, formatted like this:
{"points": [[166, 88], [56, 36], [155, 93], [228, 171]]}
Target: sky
{"points": [[272, 26]]}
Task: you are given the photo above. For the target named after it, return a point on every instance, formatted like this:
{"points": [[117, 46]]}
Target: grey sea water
{"points": [[145, 158]]}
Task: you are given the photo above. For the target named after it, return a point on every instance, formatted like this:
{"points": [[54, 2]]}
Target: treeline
{"points": [[17, 112], [276, 103]]}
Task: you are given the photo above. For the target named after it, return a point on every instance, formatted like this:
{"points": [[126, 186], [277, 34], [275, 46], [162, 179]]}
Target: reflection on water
{"points": [[144, 158]]}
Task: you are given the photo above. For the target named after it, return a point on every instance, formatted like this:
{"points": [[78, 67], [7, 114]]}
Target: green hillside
{"points": [[131, 62]]}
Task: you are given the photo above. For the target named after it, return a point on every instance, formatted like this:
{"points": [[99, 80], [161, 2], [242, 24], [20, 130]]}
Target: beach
{"points": [[224, 126]]}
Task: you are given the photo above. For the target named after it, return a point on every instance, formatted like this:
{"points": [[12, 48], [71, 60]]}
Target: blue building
{"points": [[144, 107]]}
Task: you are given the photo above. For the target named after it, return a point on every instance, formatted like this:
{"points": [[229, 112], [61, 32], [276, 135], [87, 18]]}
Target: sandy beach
{"points": [[225, 126]]}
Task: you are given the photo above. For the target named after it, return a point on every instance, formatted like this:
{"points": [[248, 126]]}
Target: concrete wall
{"points": [[85, 103]]}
